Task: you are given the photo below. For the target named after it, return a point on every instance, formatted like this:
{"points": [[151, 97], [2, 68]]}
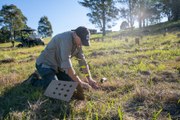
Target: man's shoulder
{"points": [[67, 33], [62, 36]]}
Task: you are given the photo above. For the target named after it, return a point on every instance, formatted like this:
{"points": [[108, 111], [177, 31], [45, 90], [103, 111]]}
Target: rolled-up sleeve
{"points": [[81, 58]]}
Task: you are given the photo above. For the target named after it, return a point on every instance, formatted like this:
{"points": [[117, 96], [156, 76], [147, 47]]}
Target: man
{"points": [[54, 63]]}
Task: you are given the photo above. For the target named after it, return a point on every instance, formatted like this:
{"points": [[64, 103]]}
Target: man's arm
{"points": [[85, 68], [83, 63], [76, 78], [86, 71]]}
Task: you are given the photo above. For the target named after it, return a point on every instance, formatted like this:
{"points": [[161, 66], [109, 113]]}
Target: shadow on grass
{"points": [[146, 106], [27, 102]]}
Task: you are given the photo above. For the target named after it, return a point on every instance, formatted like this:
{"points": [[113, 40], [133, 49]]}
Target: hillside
{"points": [[143, 80]]}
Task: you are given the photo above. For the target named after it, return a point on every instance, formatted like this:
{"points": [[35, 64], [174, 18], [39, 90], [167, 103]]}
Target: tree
{"points": [[4, 35], [155, 10], [45, 28], [144, 11], [129, 12], [176, 9], [171, 8], [12, 18], [103, 13]]}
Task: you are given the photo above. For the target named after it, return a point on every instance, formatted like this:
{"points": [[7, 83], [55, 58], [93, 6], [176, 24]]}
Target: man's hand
{"points": [[93, 83], [76, 78], [85, 85]]}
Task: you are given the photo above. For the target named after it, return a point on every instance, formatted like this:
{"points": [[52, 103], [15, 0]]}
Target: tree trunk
{"points": [[104, 25], [147, 22], [104, 20], [144, 25], [131, 13], [140, 14], [140, 22]]}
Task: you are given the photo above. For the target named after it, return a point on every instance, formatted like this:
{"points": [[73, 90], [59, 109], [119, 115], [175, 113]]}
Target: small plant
{"points": [[96, 116], [169, 116], [156, 114], [161, 67], [120, 113]]}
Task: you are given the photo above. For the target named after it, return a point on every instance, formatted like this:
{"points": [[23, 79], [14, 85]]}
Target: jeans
{"points": [[47, 75]]}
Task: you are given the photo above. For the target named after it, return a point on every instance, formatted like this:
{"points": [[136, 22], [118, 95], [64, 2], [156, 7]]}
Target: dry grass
{"points": [[142, 82]]}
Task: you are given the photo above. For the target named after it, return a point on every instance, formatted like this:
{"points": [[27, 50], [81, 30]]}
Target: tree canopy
{"points": [[12, 18], [103, 13], [149, 11], [45, 28]]}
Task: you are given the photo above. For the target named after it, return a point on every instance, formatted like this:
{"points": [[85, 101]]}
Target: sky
{"points": [[64, 15]]}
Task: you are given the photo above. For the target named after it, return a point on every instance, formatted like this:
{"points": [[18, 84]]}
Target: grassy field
{"points": [[143, 81]]}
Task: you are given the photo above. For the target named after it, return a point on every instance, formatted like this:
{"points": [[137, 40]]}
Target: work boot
{"points": [[32, 78]]}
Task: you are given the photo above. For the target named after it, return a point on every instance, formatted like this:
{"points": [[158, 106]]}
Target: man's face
{"points": [[77, 40]]}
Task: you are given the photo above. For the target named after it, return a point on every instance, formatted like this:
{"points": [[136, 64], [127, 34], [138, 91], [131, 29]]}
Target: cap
{"points": [[84, 34]]}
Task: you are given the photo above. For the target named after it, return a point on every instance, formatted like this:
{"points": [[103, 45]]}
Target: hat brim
{"points": [[85, 42]]}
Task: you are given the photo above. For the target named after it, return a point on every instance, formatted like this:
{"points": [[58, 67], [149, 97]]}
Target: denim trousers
{"points": [[49, 74]]}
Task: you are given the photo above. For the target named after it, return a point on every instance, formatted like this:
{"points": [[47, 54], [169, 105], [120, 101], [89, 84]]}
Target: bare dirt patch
{"points": [[166, 76], [104, 53], [28, 59], [7, 60]]}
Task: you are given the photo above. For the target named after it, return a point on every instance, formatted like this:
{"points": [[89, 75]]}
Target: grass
{"points": [[143, 81]]}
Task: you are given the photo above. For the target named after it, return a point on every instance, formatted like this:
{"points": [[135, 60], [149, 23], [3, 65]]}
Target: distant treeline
{"points": [[12, 20], [103, 14], [145, 12]]}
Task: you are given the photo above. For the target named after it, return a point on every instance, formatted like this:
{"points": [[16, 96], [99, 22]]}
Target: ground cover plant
{"points": [[143, 81]]}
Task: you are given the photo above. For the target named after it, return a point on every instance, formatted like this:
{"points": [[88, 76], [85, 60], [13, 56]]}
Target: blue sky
{"points": [[64, 15]]}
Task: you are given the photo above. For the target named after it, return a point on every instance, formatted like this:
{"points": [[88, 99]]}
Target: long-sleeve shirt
{"points": [[59, 51]]}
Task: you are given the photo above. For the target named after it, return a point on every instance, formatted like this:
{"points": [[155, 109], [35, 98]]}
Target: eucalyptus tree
{"points": [[171, 8], [128, 11], [144, 11], [12, 18], [45, 27], [102, 13]]}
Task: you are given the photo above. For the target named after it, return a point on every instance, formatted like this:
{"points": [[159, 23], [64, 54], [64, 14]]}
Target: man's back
{"points": [[57, 49]]}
